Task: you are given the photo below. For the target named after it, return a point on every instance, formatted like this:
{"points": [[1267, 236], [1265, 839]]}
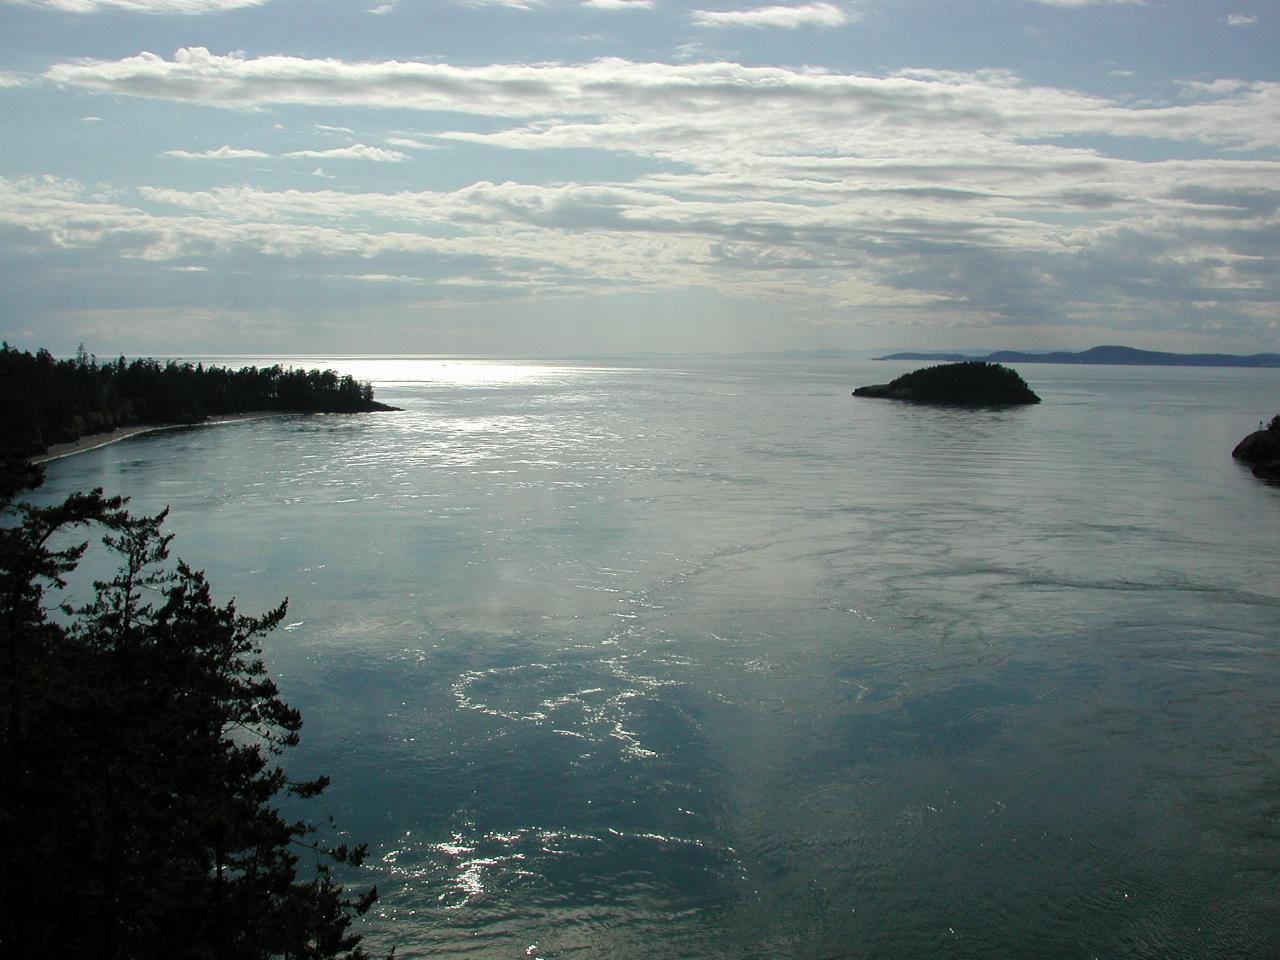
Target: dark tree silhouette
{"points": [[1261, 451], [141, 737], [970, 383]]}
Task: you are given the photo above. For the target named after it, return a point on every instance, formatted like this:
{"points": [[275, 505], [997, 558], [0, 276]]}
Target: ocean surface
{"points": [[705, 658]]}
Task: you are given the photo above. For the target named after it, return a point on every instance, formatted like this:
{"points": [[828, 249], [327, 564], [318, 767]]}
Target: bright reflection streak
{"points": [[456, 371], [464, 373]]}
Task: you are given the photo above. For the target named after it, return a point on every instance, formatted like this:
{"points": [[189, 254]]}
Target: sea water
{"points": [[705, 658]]}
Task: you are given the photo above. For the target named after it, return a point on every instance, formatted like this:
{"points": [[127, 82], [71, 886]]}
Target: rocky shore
{"points": [[1261, 451]]}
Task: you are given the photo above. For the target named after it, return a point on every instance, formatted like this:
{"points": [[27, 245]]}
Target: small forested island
{"points": [[50, 401], [970, 383], [1261, 451]]}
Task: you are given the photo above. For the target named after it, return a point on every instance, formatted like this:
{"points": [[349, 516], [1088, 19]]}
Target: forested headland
{"points": [[142, 738], [48, 401]]}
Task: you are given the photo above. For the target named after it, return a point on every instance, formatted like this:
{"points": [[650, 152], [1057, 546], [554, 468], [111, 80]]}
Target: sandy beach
{"points": [[96, 440]]}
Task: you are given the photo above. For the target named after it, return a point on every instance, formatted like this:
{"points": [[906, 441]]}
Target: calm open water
{"points": [[709, 659]]}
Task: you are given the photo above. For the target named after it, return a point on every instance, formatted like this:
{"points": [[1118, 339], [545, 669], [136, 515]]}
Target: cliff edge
{"points": [[1261, 451]]}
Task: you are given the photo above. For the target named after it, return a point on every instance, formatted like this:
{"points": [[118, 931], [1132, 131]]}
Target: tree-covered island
{"points": [[48, 401], [971, 383]]}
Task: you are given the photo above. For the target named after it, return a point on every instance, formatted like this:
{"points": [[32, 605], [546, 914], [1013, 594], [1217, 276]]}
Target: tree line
{"points": [[48, 401]]}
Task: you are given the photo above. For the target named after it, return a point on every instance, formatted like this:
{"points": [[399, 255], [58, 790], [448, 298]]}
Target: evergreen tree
{"points": [[140, 760]]}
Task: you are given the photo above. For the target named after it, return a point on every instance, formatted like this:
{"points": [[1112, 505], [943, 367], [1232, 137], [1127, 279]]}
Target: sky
{"points": [[572, 177]]}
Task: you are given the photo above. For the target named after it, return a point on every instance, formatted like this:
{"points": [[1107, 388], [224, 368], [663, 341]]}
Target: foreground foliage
{"points": [[140, 737], [56, 401]]}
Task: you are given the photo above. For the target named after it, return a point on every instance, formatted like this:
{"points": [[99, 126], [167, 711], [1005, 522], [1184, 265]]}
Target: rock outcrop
{"points": [[1261, 451]]}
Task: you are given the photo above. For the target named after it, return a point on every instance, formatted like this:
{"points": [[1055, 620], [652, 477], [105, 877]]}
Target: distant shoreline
{"points": [[1105, 355], [95, 441]]}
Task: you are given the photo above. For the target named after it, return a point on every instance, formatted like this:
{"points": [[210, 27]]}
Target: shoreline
{"points": [[95, 441]]}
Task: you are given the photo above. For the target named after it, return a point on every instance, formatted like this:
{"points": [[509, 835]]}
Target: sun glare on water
{"points": [[458, 371]]}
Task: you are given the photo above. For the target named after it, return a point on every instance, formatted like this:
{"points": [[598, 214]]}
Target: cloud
{"points": [[10, 79], [925, 193], [1090, 3], [184, 7], [1037, 232], [357, 151], [1239, 20], [513, 4], [619, 4], [688, 101], [410, 143], [811, 14], [224, 152]]}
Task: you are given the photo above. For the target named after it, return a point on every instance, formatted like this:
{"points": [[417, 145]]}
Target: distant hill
{"points": [[1107, 355]]}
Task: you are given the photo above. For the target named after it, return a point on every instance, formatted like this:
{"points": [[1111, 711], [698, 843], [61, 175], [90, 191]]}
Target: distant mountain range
{"points": [[1106, 355]]}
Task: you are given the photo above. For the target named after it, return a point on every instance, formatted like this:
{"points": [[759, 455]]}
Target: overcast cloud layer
{"points": [[458, 178]]}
